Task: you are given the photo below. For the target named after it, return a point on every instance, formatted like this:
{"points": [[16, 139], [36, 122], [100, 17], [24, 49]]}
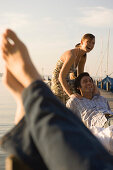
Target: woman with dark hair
{"points": [[62, 83]]}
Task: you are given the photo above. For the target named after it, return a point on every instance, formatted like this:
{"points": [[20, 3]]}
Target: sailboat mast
{"points": [[108, 51]]}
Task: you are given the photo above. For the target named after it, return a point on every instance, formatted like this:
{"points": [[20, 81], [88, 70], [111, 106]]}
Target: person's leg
{"points": [[16, 90], [18, 141], [63, 140]]}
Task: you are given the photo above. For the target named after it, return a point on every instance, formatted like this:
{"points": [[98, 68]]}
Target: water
{"points": [[7, 110]]}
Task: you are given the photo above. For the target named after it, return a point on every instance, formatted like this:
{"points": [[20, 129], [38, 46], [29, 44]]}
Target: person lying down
{"points": [[93, 109]]}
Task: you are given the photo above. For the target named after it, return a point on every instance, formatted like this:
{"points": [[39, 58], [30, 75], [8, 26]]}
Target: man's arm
{"points": [[72, 105], [96, 90]]}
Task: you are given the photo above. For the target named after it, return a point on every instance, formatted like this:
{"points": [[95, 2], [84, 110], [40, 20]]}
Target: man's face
{"points": [[86, 84]]}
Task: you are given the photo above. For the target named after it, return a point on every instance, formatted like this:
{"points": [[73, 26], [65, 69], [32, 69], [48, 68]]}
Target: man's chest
{"points": [[95, 104]]}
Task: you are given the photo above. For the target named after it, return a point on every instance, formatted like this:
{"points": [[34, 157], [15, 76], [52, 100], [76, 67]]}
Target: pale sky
{"points": [[50, 27]]}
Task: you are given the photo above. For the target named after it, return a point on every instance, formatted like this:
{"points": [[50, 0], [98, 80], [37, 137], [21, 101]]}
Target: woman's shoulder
{"points": [[66, 54], [70, 54], [76, 51], [68, 51]]}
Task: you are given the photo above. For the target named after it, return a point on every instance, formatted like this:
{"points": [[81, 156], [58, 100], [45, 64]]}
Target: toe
{"points": [[11, 35], [7, 45]]}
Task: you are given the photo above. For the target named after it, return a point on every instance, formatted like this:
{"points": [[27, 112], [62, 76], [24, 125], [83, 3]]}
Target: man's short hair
{"points": [[77, 83]]}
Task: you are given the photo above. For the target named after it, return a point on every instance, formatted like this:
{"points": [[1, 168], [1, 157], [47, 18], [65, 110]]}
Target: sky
{"points": [[51, 27]]}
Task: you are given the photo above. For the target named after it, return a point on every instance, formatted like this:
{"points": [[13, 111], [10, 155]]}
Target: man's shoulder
{"points": [[72, 100], [99, 97]]}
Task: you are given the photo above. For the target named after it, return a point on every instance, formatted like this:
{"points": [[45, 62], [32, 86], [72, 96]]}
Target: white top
{"points": [[105, 136], [92, 112]]}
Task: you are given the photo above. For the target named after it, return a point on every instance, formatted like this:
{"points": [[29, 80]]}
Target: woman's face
{"points": [[88, 44]]}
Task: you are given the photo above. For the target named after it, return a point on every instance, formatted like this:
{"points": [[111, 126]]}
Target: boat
{"points": [[107, 82]]}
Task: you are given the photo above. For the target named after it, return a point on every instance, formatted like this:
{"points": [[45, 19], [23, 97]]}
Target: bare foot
{"points": [[17, 59], [16, 90]]}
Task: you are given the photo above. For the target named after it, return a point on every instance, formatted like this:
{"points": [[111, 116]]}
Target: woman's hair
{"points": [[77, 82], [77, 45], [85, 36]]}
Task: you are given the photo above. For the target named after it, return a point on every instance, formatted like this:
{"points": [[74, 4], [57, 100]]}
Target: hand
{"points": [[96, 90]]}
